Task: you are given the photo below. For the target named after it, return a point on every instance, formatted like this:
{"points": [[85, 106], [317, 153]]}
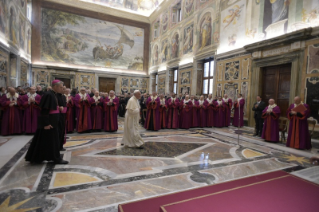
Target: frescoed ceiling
{"points": [[141, 7]]}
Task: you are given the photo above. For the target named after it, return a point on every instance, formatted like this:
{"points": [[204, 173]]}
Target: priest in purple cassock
{"points": [[271, 116], [30, 102], [185, 108], [239, 111], [210, 111], [12, 113], [173, 110], [194, 112], [228, 105], [111, 106], [153, 121], [298, 134], [83, 103], [163, 112], [202, 105], [70, 111], [97, 111], [219, 115]]}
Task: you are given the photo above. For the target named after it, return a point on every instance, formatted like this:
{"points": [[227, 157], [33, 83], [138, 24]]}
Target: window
{"points": [[175, 81], [29, 10], [156, 80], [208, 77], [177, 13]]}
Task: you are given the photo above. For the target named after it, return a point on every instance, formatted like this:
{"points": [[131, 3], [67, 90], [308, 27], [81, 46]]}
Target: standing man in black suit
{"points": [[258, 108]]}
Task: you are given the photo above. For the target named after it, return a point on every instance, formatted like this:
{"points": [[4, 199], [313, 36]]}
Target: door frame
{"points": [[108, 77], [295, 58]]}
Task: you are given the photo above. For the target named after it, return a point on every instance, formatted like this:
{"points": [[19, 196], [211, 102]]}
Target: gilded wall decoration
{"points": [[134, 83], [219, 91], [232, 70], [312, 96], [13, 67], [188, 9], [313, 59], [161, 84], [124, 85], [85, 80], [205, 31], [244, 92], [4, 60], [130, 84], [220, 70], [165, 21], [175, 45], [40, 77], [185, 80], [155, 55], [90, 42], [24, 73], [231, 90], [165, 50], [245, 68]]}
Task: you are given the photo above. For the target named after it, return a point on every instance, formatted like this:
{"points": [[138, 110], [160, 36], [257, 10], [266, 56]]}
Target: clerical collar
{"points": [[173, 99], [16, 95], [96, 98], [112, 97], [82, 95], [67, 95], [185, 101], [32, 95], [219, 102], [301, 103], [239, 98], [272, 106], [153, 98], [226, 100], [210, 100], [201, 101]]}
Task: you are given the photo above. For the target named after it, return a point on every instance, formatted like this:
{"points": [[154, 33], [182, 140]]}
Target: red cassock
{"points": [[83, 113], [110, 114], [152, 121], [210, 112], [31, 113], [163, 113], [185, 109], [271, 125], [219, 114], [202, 113], [195, 113], [12, 116], [298, 134], [228, 106], [70, 114], [97, 113], [172, 117]]}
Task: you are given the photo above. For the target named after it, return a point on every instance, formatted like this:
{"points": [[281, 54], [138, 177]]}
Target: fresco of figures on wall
{"points": [[80, 40], [13, 23], [239, 23], [142, 7]]}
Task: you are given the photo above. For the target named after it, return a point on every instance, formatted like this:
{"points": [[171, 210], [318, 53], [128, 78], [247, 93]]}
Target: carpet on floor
{"points": [[154, 204]]}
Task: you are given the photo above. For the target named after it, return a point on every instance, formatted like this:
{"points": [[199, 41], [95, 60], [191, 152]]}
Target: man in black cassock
{"points": [[63, 108], [122, 106], [45, 144]]}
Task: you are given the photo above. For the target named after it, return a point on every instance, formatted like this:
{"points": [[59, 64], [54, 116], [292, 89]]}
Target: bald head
{"points": [[271, 101], [187, 97], [137, 94], [297, 100]]}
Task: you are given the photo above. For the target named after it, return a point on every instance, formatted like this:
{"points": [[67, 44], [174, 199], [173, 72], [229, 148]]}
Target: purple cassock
{"points": [[163, 113], [202, 109], [185, 108], [31, 112], [271, 124], [210, 112], [219, 114], [298, 134], [228, 106], [152, 121], [12, 116], [83, 112], [111, 106], [172, 117], [97, 113], [194, 113], [239, 104]]}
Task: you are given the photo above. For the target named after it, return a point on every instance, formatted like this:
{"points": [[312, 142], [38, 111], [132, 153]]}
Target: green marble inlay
{"points": [[155, 149]]}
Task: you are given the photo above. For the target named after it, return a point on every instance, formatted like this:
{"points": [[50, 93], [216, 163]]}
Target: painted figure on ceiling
{"points": [[205, 31]]}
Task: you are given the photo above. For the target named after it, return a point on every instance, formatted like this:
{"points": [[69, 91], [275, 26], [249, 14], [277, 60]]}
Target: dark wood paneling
{"points": [[276, 85], [106, 84], [67, 82], [37, 19]]}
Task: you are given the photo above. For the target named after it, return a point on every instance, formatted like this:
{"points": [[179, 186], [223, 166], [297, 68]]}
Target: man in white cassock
{"points": [[131, 137]]}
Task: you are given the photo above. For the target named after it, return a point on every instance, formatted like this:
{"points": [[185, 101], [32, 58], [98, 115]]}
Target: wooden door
{"points": [[106, 84], [276, 85], [67, 82]]}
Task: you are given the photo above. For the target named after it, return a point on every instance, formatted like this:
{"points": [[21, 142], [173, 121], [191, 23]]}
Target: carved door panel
{"points": [[106, 84], [276, 85]]}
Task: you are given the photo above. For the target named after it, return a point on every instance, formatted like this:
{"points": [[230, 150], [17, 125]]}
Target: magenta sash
{"points": [[64, 110], [55, 111]]}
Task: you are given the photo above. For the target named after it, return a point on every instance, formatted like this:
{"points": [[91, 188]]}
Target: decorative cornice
{"points": [[282, 40]]}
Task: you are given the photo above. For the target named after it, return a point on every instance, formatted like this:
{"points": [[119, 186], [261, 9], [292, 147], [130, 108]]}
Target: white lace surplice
{"points": [[131, 137]]}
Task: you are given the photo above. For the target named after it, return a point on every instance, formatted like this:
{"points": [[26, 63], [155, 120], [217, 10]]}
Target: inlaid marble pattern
{"points": [[102, 173]]}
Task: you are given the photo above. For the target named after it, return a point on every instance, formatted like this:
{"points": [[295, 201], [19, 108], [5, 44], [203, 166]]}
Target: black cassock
{"points": [[122, 107], [62, 103], [45, 143]]}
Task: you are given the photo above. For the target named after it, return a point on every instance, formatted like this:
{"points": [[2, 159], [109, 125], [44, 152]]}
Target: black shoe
{"points": [[63, 149], [140, 147], [122, 144], [61, 162]]}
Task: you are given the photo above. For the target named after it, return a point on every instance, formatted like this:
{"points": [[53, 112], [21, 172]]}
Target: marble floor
{"points": [[102, 174]]}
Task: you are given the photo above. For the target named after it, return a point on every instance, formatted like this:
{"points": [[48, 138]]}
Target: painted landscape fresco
{"points": [[73, 39]]}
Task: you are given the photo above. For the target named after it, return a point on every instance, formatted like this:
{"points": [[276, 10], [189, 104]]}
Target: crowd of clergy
{"points": [[91, 110]]}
